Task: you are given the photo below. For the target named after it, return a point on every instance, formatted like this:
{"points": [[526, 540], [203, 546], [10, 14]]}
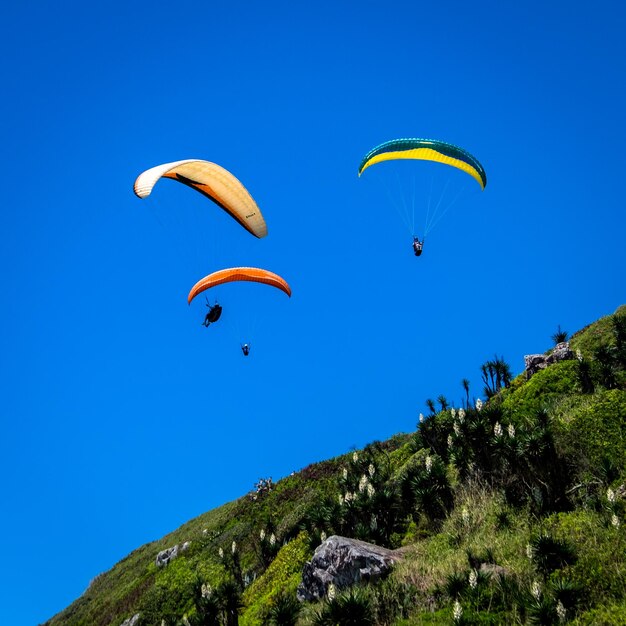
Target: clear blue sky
{"points": [[122, 417]]}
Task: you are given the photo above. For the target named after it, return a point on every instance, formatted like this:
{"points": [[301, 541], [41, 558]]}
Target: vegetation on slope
{"points": [[510, 510]]}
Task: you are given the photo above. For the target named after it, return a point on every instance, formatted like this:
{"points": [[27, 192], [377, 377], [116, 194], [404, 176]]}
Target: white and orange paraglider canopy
{"points": [[212, 181]]}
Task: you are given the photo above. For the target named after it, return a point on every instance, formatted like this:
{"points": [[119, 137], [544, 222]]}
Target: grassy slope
{"points": [[590, 434]]}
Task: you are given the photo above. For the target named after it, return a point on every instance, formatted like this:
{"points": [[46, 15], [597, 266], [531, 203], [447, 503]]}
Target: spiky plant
{"points": [[207, 605], [466, 387], [606, 367], [431, 406], [284, 610], [495, 375], [542, 611], [443, 402], [427, 492], [353, 607], [550, 553], [503, 371], [584, 376], [488, 376], [455, 584], [503, 520], [229, 596], [569, 593], [560, 335]]}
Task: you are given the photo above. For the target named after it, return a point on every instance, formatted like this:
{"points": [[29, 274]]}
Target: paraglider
{"points": [[418, 246], [213, 315], [234, 274], [220, 186], [214, 182], [426, 150]]}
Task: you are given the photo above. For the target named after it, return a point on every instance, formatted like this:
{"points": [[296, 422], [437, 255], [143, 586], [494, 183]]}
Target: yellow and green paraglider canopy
{"points": [[426, 150]]}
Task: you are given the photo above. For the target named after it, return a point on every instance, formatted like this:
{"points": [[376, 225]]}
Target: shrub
{"points": [[600, 551], [592, 434], [543, 389]]}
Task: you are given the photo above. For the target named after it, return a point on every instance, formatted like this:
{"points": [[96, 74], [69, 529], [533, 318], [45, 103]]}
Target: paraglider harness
{"points": [[213, 315], [418, 246], [245, 348]]}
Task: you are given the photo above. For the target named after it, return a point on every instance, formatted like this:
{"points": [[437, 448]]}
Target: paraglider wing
{"points": [[250, 274], [212, 181], [427, 150]]}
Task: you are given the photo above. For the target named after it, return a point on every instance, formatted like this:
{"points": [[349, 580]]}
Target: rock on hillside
{"points": [[342, 562]]}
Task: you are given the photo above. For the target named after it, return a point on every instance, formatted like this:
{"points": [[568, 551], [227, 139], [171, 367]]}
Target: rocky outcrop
{"points": [[342, 562], [165, 556], [131, 621], [536, 362]]}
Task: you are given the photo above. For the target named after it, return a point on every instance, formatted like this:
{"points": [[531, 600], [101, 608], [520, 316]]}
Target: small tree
{"points": [[503, 372], [495, 375], [488, 376]]}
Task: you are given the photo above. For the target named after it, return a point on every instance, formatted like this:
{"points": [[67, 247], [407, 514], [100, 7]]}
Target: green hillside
{"points": [[513, 511]]}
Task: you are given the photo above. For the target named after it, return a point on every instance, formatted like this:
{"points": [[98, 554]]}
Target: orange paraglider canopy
{"points": [[250, 274]]}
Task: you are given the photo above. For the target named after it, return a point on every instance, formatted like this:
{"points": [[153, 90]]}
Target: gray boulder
{"points": [[536, 362], [131, 621], [165, 556], [561, 352], [342, 562], [533, 363]]}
